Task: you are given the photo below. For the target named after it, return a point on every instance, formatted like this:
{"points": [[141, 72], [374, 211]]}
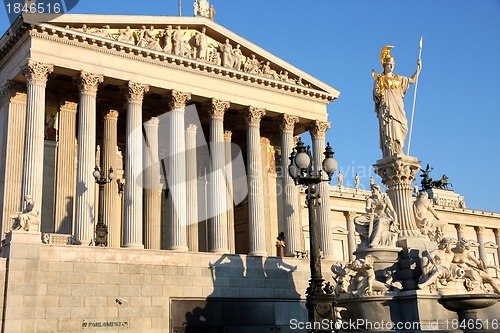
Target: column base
{"points": [[12, 236], [134, 246], [179, 248], [258, 254], [222, 251]]}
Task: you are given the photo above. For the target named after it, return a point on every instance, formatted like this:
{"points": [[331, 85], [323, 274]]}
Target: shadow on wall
{"points": [[256, 296]]}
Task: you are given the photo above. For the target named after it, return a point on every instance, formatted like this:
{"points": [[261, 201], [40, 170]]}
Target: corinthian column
{"points": [[85, 183], [65, 171], [217, 190], [460, 230], [230, 198], [351, 238], [176, 170], [192, 188], [13, 118], [318, 135], [480, 239], [36, 75], [111, 202], [256, 222], [132, 214], [293, 232], [152, 187]]}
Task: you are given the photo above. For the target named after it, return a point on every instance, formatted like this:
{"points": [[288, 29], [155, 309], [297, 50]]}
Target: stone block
{"points": [[45, 325], [106, 290], [130, 290], [71, 301], [58, 289], [97, 301], [82, 289], [139, 301], [57, 313], [130, 268], [191, 291], [148, 290], [69, 325], [57, 266], [117, 278], [83, 312], [142, 279], [141, 324], [129, 312], [152, 312]]}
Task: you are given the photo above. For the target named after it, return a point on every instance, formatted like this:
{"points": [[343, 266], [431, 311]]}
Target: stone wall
{"points": [[64, 288]]}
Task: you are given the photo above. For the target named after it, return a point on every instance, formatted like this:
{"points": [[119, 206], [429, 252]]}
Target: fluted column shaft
{"points": [[460, 230], [256, 222], [351, 237], [36, 76], [85, 212], [152, 187], [176, 170], [217, 191], [65, 171], [497, 241], [111, 200], [230, 198], [192, 188], [132, 191], [293, 228], [12, 147], [318, 135], [480, 240]]}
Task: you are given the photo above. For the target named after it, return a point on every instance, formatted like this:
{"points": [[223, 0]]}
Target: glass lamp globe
{"points": [[111, 175], [96, 173]]}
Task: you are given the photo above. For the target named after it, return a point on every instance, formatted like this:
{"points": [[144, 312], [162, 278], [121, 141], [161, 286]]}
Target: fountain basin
{"points": [[468, 302]]}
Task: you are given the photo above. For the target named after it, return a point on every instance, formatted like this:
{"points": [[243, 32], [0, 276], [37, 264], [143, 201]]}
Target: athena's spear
{"points": [[414, 100]]}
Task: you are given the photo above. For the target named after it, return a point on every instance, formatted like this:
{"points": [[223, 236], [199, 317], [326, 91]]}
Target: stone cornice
{"points": [[75, 38]]}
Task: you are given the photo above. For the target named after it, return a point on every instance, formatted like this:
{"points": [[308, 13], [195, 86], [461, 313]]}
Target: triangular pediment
{"points": [[197, 40]]}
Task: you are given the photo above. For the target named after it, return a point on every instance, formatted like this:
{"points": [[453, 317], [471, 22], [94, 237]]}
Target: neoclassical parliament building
{"points": [[197, 125]]}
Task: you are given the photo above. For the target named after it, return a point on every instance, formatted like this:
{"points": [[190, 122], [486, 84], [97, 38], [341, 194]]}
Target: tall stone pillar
{"points": [[36, 75], [217, 191], [398, 173], [13, 116], [176, 170], [85, 212], [480, 239], [192, 189], [293, 228], [351, 237], [132, 213], [460, 230], [111, 202], [65, 171], [230, 196], [152, 187], [256, 222], [497, 240], [318, 135]]}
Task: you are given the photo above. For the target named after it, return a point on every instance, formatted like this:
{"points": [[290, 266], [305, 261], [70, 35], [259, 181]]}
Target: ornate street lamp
{"points": [[320, 299], [101, 230]]}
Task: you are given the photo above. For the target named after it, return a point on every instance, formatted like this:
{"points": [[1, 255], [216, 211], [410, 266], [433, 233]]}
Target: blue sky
{"points": [[457, 115]]}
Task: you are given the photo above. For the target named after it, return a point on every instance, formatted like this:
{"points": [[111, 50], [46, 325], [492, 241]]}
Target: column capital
{"points": [[479, 229], [135, 92], [68, 106], [191, 129], [460, 227], [349, 215], [228, 135], [287, 122], [318, 129], [253, 115], [111, 115], [216, 108], [88, 82], [36, 72], [177, 99], [15, 92], [152, 122]]}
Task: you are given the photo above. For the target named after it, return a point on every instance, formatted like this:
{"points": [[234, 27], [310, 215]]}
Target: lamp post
{"points": [[101, 230], [320, 300]]}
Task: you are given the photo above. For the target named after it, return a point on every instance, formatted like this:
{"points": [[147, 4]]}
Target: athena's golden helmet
{"points": [[385, 54]]}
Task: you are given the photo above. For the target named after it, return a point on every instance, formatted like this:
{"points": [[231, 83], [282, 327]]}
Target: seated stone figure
{"points": [[427, 219], [437, 265], [29, 217], [379, 227], [476, 274]]}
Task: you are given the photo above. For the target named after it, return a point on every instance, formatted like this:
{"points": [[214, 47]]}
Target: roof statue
{"points": [[203, 8]]}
